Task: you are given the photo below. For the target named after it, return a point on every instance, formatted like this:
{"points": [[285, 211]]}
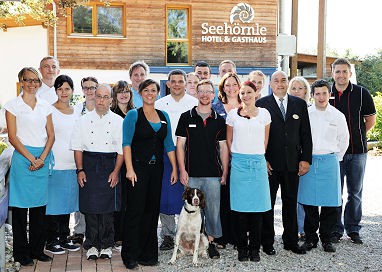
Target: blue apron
{"points": [[62, 192], [97, 197], [171, 195], [321, 186], [249, 185], [29, 189]]}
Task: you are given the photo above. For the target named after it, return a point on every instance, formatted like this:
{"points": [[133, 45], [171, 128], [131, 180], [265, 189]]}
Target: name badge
{"points": [[192, 125], [163, 122]]}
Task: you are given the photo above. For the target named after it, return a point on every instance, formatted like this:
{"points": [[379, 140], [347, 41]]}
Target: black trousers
{"points": [[140, 241], [99, 231], [120, 215], [323, 221], [288, 181], [35, 246], [253, 222], [57, 228]]}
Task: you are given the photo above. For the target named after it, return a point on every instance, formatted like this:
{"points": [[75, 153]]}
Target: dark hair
{"points": [[177, 72], [89, 79], [320, 83], [146, 83], [61, 79], [202, 64], [222, 95], [341, 61], [118, 87]]}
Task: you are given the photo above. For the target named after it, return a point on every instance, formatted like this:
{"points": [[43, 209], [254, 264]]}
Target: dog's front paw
{"points": [[195, 262], [172, 261]]}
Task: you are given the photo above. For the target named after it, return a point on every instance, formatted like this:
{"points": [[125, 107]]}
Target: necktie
{"points": [[282, 109]]}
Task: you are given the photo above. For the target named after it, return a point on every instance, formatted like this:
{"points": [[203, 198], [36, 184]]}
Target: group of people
{"points": [[121, 159]]}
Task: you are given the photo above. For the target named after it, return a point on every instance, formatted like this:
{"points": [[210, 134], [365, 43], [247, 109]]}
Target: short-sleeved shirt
{"points": [[98, 134], [202, 143], [355, 103], [47, 93], [30, 123], [248, 134]]}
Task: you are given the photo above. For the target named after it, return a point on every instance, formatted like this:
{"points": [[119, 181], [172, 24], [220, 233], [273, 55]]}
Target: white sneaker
{"points": [[106, 253], [92, 254]]}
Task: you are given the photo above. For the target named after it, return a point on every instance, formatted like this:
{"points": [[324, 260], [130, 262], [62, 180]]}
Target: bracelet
{"points": [[79, 170]]}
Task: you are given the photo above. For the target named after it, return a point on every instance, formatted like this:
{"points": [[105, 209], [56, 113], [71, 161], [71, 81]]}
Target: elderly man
{"points": [[289, 155], [204, 163], [49, 69], [97, 145]]}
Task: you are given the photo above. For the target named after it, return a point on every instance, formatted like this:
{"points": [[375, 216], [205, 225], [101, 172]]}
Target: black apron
{"points": [[97, 197]]}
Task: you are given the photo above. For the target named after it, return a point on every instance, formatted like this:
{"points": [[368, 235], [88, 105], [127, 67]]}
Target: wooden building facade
{"points": [[166, 33]]}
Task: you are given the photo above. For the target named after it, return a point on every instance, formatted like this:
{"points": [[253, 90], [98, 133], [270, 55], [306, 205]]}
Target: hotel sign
{"points": [[240, 29]]}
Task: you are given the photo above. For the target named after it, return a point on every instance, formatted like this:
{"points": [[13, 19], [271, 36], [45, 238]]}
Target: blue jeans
{"points": [[300, 218], [211, 188], [353, 167]]}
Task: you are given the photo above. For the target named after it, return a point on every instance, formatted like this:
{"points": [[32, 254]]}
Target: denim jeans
{"points": [[300, 218], [210, 186], [353, 167]]}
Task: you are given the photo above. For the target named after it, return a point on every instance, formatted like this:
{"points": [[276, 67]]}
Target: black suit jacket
{"points": [[290, 141]]}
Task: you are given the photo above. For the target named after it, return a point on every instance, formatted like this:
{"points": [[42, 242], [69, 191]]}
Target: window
{"points": [[98, 20], [178, 35]]}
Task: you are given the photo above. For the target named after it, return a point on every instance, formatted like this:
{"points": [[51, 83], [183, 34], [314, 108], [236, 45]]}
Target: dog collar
{"points": [[188, 210]]}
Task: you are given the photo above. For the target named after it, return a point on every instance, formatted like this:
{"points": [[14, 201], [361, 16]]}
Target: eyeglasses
{"points": [[99, 97], [205, 92], [91, 88], [125, 91], [30, 80]]}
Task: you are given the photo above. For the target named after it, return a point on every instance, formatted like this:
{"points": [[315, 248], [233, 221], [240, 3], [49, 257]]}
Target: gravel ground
{"points": [[349, 257]]}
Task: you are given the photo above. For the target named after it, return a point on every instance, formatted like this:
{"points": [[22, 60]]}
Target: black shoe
{"points": [[354, 238], [43, 257], [167, 244], [269, 251], [295, 249], [54, 249], [213, 252], [335, 238], [25, 261], [301, 237], [149, 263], [76, 238], [328, 247], [131, 264], [242, 255], [254, 255], [309, 245]]}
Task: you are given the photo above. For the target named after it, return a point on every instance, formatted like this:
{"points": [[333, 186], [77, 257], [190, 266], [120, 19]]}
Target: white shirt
{"points": [[248, 134], [98, 134], [80, 106], [175, 108], [63, 129], [330, 133], [30, 124], [285, 101], [47, 93]]}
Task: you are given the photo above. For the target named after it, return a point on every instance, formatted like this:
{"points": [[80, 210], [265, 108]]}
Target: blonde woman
{"points": [[299, 86]]}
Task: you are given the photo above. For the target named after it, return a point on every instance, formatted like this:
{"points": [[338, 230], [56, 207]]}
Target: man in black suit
{"points": [[288, 156]]}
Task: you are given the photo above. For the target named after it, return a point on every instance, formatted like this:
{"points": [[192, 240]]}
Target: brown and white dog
{"points": [[190, 238]]}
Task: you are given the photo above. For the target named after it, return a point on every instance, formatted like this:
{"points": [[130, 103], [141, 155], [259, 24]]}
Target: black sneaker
{"points": [[354, 238], [309, 245], [70, 246], [335, 238], [167, 243], [213, 252], [54, 249], [77, 238], [328, 247]]}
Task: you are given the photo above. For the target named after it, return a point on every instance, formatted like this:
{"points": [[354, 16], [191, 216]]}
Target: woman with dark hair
{"points": [[31, 133], [62, 187], [122, 98], [228, 99], [146, 134], [121, 104], [247, 139]]}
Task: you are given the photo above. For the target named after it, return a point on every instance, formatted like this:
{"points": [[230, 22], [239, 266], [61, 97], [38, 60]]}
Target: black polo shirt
{"points": [[355, 103], [202, 144]]}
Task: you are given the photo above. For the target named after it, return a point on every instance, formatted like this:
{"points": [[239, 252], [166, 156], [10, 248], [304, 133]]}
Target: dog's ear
{"points": [[184, 196], [202, 200]]}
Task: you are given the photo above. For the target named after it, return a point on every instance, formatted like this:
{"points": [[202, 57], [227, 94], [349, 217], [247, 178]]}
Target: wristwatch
{"points": [[79, 170]]}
